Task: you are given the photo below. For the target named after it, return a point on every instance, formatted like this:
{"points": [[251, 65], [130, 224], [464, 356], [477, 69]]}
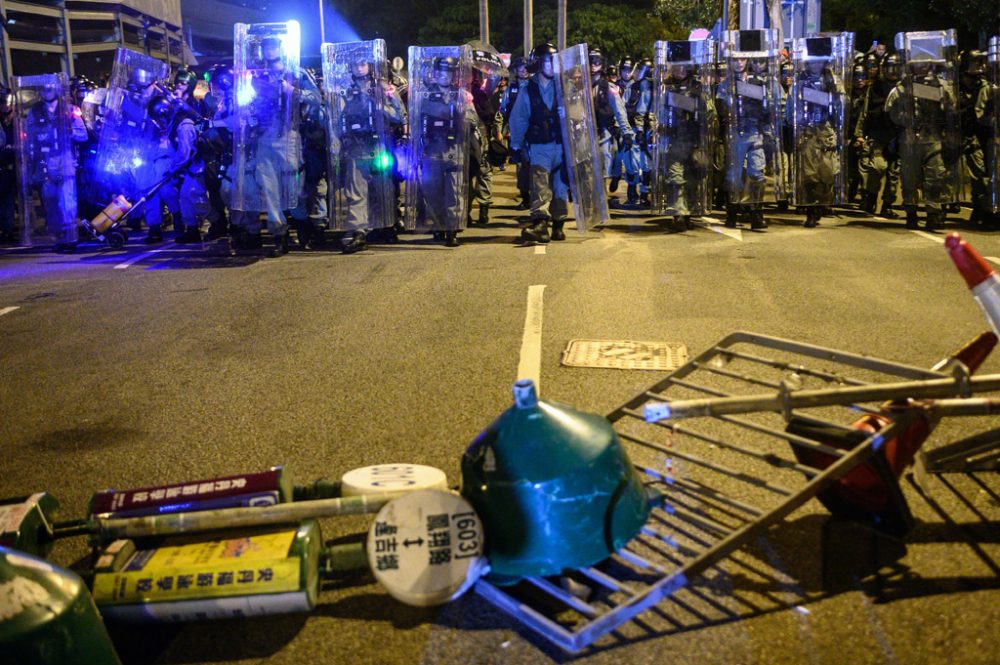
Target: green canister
{"points": [[47, 616], [553, 487]]}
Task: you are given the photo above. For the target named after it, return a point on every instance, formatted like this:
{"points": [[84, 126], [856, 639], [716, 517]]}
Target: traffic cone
{"points": [[870, 492], [981, 278]]}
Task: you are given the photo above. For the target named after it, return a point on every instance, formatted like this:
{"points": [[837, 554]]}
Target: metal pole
{"points": [[528, 37], [484, 21], [561, 26], [322, 24]]}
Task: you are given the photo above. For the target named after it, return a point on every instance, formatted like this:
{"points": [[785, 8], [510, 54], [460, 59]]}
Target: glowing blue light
{"points": [[246, 93], [137, 161]]}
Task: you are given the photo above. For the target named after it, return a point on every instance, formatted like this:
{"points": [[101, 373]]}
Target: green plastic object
{"points": [[47, 616], [554, 488]]}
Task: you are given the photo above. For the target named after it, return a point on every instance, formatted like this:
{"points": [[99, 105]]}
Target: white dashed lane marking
{"points": [[530, 365], [7, 310]]}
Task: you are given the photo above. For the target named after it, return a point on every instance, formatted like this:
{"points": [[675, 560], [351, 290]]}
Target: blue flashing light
{"points": [[245, 94], [137, 161], [383, 161]]}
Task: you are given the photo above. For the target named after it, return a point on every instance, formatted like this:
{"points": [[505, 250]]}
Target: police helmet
{"points": [[140, 78], [973, 62], [540, 52], [517, 62], [611, 72], [643, 69], [892, 67], [160, 110], [185, 76], [445, 64], [625, 66], [222, 76], [596, 57]]}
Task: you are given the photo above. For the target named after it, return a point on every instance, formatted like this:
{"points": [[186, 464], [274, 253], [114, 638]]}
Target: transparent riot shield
{"points": [[993, 113], [582, 158], [127, 135], [361, 105], [45, 158], [441, 117], [750, 105], [816, 113], [267, 148], [931, 150], [683, 106]]}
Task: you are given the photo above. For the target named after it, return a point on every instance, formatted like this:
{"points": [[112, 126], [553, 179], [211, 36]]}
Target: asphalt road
{"points": [[131, 368]]}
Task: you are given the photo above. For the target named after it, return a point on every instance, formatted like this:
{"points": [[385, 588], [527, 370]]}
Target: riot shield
{"points": [[127, 136], [581, 156], [441, 118], [267, 148], [993, 109], [682, 104], [750, 102], [360, 106], [46, 164], [931, 150], [816, 113]]}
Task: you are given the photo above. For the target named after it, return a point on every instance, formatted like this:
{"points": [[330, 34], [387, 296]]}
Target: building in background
{"points": [[80, 38]]}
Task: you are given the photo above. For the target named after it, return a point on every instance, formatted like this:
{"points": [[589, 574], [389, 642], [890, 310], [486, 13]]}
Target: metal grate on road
{"points": [[624, 354], [702, 557]]}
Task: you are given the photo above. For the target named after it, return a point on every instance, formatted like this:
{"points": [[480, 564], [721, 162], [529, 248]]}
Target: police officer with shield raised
{"points": [[684, 112], [816, 113], [362, 106], [441, 116], [924, 105], [46, 130]]}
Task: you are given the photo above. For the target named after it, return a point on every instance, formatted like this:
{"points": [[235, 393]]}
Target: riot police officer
{"points": [[8, 181], [609, 111], [536, 128], [518, 79], [975, 136], [876, 139]]}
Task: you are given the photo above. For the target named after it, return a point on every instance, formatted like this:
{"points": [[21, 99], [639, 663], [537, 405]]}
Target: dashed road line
{"points": [[144, 255], [530, 364], [8, 310], [539, 249]]}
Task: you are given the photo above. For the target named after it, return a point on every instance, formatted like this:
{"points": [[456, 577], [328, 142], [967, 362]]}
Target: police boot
{"points": [[216, 230], [757, 222], [868, 202], [525, 203], [557, 230], [303, 233], [537, 232], [911, 219], [176, 220], [934, 220], [242, 240], [644, 195], [484, 214], [731, 215], [633, 194], [280, 245], [812, 217], [888, 213], [155, 235], [783, 205], [191, 235], [354, 243], [615, 181], [451, 238]]}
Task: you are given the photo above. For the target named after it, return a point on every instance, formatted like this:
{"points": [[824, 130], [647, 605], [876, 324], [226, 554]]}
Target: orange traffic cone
{"points": [[981, 278], [870, 492]]}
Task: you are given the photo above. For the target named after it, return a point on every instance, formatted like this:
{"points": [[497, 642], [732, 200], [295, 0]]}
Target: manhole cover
{"points": [[624, 354]]}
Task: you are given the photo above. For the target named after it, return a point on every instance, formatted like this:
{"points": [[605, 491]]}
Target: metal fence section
{"points": [[725, 482]]}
